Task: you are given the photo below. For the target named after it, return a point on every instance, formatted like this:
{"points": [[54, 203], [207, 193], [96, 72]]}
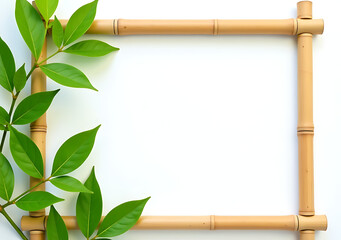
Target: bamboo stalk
{"points": [[187, 223], [305, 119], [38, 132], [205, 27], [305, 125], [38, 135], [39, 128], [307, 235], [290, 223]]}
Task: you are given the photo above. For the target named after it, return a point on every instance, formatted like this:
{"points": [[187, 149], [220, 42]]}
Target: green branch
{"points": [[10, 220], [43, 61], [11, 202], [14, 99]]}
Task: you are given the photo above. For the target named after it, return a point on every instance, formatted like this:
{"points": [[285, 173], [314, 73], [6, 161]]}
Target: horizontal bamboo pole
{"points": [[290, 223], [204, 27], [207, 27]]}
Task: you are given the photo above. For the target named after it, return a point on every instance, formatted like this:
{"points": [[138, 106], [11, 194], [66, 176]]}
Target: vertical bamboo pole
{"points": [[307, 235], [305, 118], [305, 126], [38, 133]]}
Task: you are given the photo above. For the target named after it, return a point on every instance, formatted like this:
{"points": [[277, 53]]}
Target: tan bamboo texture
{"points": [[38, 132], [204, 27], [38, 135], [305, 126], [290, 223]]}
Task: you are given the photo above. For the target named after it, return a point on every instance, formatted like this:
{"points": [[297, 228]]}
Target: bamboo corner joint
{"points": [[304, 27]]}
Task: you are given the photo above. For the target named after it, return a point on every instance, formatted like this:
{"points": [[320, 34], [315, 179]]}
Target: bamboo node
{"points": [[212, 222], [306, 128], [295, 28], [305, 133], [116, 27], [39, 129], [215, 27]]}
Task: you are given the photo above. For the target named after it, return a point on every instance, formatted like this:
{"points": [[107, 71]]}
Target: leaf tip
{"points": [[147, 199], [96, 128]]}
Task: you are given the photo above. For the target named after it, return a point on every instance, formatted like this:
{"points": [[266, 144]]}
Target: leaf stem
{"points": [[11, 202], [10, 220], [30, 73], [4, 134], [58, 51], [14, 98]]}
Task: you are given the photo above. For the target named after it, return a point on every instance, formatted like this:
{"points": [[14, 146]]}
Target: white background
{"points": [[206, 125]]}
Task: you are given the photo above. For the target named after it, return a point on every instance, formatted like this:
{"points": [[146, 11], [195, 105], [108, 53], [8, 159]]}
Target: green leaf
{"points": [[26, 154], [38, 200], [69, 184], [30, 26], [55, 227], [47, 8], [19, 79], [2, 127], [72, 154], [33, 107], [80, 22], [122, 218], [7, 66], [57, 32], [91, 48], [4, 117], [89, 206], [67, 75], [6, 178]]}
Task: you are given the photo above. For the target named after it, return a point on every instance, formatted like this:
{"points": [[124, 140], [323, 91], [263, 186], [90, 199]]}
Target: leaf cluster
{"points": [[33, 24]]}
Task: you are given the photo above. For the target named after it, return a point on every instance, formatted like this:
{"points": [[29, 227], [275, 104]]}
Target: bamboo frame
{"points": [[304, 27]]}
